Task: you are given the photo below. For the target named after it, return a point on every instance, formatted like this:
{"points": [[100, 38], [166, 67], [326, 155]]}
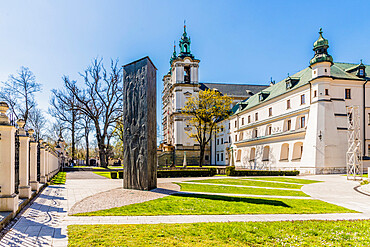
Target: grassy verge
{"points": [[59, 178], [248, 183], [238, 190], [285, 179], [104, 174], [195, 204], [297, 233]]}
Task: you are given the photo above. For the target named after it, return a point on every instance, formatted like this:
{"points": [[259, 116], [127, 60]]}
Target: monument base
{"points": [[25, 192], [43, 179], [9, 203], [34, 185]]}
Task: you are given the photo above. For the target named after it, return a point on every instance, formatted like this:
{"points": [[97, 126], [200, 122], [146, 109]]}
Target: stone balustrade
{"points": [[26, 165]]}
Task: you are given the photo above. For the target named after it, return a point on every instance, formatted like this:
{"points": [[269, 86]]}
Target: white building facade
{"points": [[301, 122]]}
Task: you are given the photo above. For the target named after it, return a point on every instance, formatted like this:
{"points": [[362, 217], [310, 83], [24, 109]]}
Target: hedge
{"points": [[230, 171], [186, 173]]}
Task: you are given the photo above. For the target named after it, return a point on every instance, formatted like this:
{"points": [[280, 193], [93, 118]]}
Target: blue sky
{"points": [[236, 41]]}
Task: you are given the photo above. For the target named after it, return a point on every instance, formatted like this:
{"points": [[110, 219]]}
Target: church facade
{"points": [[180, 83]]}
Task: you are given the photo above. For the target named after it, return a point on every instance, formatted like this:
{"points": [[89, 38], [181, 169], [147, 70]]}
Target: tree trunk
{"points": [[201, 155], [87, 147], [73, 135], [102, 155]]}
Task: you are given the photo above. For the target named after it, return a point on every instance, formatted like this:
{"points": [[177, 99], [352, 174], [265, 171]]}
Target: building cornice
{"points": [[290, 134], [274, 118]]}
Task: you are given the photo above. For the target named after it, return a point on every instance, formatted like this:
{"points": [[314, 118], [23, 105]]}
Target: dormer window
{"points": [[361, 73], [291, 82], [263, 95]]}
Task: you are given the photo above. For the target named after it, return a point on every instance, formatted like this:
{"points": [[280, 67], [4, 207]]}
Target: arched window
{"points": [[297, 151], [266, 153], [284, 153], [252, 155], [239, 155]]}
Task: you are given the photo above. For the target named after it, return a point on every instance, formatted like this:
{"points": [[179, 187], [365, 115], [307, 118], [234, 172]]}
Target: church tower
{"points": [[180, 83]]}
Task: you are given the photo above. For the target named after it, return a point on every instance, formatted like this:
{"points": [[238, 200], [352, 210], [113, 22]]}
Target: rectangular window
{"points": [[256, 116], [218, 141], [222, 140], [303, 99], [236, 138], [269, 132], [249, 119], [235, 123], [218, 157], [368, 119], [303, 122], [315, 94], [326, 91], [289, 125], [206, 157], [348, 93], [270, 111], [222, 156], [229, 139], [242, 121], [288, 104], [229, 126]]}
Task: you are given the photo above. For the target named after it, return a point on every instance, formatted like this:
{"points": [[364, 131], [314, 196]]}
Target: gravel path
{"points": [[121, 197]]}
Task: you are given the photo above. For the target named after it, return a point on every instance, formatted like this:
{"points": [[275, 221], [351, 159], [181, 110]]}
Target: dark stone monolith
{"points": [[139, 122]]}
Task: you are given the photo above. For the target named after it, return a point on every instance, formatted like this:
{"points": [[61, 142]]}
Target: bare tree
{"points": [[64, 108], [19, 93], [85, 123], [37, 121], [100, 100]]}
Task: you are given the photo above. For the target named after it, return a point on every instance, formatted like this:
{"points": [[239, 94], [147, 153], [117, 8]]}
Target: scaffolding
{"points": [[354, 152]]}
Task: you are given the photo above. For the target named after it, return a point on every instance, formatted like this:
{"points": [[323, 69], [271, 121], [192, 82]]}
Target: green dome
{"points": [[320, 47], [321, 41]]}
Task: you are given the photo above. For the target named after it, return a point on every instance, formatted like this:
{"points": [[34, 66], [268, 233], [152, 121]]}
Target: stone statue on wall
{"points": [[139, 120]]}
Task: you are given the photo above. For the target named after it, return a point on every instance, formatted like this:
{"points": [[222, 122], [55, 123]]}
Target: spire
{"points": [[185, 44], [320, 47], [174, 55]]}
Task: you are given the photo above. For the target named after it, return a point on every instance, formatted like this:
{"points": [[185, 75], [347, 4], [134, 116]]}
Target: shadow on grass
{"points": [[234, 199]]}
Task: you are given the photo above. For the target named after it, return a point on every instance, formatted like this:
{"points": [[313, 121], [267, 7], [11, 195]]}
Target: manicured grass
{"points": [[59, 178], [238, 190], [104, 174], [245, 182], [297, 233], [196, 204], [285, 179]]}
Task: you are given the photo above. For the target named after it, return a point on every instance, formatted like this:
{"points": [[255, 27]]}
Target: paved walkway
{"points": [[44, 222]]}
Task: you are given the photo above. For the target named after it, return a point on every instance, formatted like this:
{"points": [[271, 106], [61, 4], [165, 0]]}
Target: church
{"points": [[180, 83], [299, 123]]}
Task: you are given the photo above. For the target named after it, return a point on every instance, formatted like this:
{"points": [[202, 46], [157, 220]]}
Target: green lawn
{"points": [[238, 190], [59, 178], [285, 179], [248, 183], [104, 174], [92, 167], [194, 204], [297, 233]]}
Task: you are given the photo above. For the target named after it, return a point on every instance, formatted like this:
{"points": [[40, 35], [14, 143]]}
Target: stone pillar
{"points": [[43, 178], [139, 114], [8, 197], [33, 163], [24, 186]]}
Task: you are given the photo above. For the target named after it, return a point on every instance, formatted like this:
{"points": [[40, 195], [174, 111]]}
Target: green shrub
{"points": [[365, 182], [120, 175], [113, 175], [209, 172], [230, 171]]}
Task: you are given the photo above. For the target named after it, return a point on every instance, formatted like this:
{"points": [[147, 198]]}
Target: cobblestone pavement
{"points": [[45, 222]]}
